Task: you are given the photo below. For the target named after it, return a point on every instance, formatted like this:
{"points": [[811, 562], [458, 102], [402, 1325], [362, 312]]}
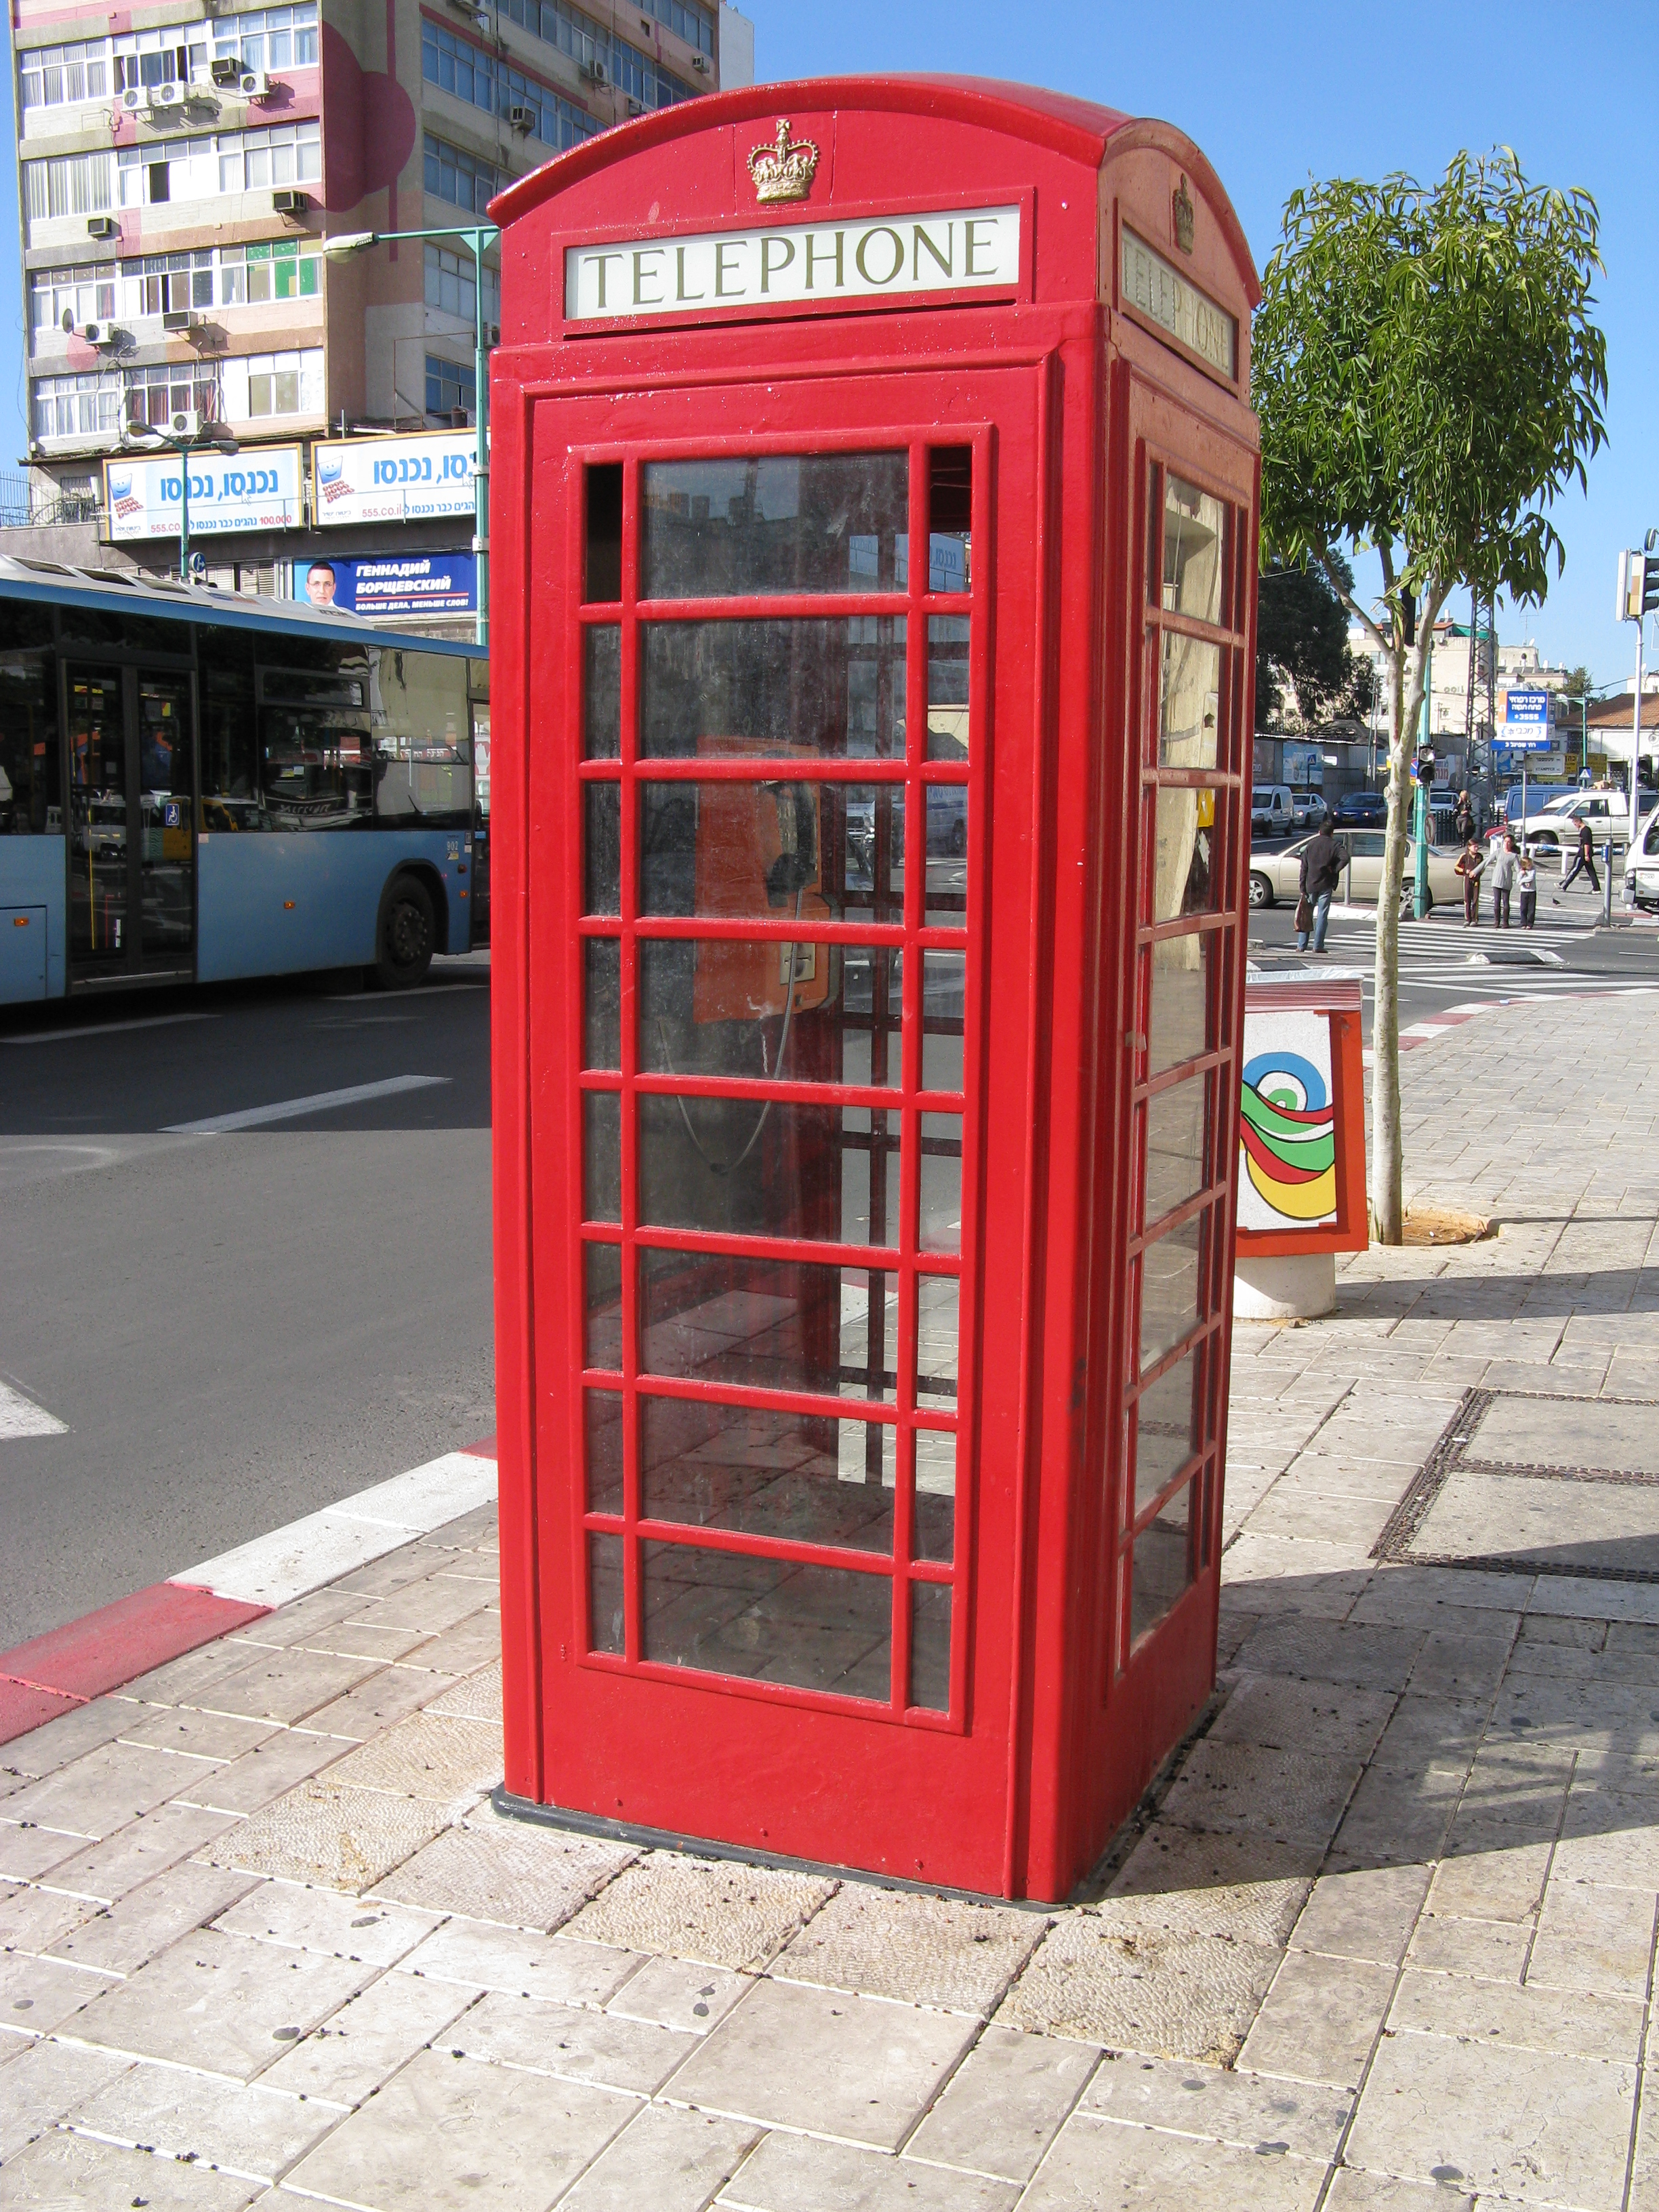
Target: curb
{"points": [[53, 1674]]}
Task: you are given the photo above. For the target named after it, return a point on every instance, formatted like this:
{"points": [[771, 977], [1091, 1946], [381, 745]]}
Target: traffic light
{"points": [[1638, 586]]}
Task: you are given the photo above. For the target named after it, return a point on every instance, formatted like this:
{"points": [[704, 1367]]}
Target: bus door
{"points": [[132, 817]]}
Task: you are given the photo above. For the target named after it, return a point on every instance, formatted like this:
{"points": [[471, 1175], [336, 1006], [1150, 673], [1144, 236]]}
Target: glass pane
{"points": [[725, 1006], [604, 1593], [950, 517], [944, 987], [769, 1324], [601, 1156], [602, 691], [947, 844], [1169, 1427], [602, 1002], [936, 1495], [603, 1412], [947, 688], [603, 580], [938, 1304], [1186, 872], [930, 1646], [779, 851], [768, 1168], [941, 1183], [780, 522], [1176, 1124], [1194, 542], [1161, 1566], [98, 819], [833, 691], [602, 1306], [167, 805], [818, 1628], [1179, 1021], [1189, 703], [1169, 1289], [768, 1473], [601, 849]]}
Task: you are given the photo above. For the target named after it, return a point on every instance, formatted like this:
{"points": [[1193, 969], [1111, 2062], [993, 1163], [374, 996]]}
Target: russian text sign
{"points": [[259, 488], [358, 480], [388, 585], [810, 265]]}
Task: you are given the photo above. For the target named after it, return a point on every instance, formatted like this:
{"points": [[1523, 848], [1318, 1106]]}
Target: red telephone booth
{"points": [[875, 519]]}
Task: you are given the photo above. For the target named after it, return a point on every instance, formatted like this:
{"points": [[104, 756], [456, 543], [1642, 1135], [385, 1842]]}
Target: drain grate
{"points": [[1529, 1482]]}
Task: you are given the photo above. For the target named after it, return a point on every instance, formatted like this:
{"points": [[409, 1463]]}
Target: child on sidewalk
{"points": [[1469, 864], [1526, 882]]}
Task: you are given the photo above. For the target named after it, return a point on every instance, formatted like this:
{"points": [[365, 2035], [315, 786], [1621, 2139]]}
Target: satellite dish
{"points": [[67, 321]]}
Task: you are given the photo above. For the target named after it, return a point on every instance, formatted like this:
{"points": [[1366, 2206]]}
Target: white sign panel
{"points": [[1154, 289], [256, 489], [360, 480], [808, 264]]}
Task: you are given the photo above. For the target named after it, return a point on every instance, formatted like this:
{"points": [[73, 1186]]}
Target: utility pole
{"points": [[1639, 595]]}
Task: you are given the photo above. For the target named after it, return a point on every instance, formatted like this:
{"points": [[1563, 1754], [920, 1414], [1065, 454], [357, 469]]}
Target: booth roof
{"points": [[1075, 128]]}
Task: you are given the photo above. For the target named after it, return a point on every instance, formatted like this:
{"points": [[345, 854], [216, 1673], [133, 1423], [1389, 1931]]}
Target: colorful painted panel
{"points": [[1287, 1123]]}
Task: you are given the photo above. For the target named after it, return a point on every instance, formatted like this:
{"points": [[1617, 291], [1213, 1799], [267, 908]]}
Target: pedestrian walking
{"points": [[1502, 868], [1469, 864], [1526, 882], [1585, 862], [1463, 819], [1324, 857]]}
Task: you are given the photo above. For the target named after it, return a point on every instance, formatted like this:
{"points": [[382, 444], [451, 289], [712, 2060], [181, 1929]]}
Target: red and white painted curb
{"points": [[67, 1666], [1435, 1025]]}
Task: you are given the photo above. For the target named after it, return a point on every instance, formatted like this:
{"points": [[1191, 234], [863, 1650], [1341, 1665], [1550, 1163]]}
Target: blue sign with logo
{"points": [[392, 586], [1527, 722]]}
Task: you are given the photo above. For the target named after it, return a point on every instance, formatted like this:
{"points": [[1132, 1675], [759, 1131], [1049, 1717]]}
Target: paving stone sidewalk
{"points": [[1387, 1939]]}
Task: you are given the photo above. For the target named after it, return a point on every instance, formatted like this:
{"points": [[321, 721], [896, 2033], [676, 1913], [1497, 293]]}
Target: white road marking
{"points": [[22, 1417], [391, 998], [294, 1110], [104, 1028]]}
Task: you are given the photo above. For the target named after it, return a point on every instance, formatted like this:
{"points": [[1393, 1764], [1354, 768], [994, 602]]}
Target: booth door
{"points": [[1190, 595], [777, 646]]}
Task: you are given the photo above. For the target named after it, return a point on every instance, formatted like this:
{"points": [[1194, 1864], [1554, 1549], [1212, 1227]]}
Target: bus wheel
{"points": [[408, 932]]}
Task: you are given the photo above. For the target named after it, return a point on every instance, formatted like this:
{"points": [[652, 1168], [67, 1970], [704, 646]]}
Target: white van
{"points": [[1272, 810]]}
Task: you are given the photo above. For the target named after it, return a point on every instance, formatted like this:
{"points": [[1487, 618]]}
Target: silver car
{"points": [[1275, 878]]}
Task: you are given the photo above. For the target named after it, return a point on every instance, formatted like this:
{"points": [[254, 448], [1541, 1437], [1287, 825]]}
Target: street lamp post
{"points": [[477, 237], [147, 438]]}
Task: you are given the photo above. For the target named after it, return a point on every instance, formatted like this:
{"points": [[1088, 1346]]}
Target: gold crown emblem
{"points": [[783, 171], [1183, 210]]}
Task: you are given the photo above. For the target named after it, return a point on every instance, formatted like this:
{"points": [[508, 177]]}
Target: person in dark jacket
{"points": [[1323, 858], [1585, 862], [1463, 819]]}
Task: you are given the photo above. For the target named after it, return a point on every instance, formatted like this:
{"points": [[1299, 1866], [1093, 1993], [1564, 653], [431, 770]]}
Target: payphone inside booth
{"points": [[874, 513]]}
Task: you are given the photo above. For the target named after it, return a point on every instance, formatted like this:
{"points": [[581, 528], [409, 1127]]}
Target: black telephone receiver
{"points": [[797, 863]]}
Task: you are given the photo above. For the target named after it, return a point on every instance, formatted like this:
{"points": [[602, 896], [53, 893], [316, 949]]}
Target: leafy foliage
{"points": [[1302, 635]]}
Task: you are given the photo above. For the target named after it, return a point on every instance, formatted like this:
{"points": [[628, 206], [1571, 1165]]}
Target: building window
{"points": [[71, 184], [268, 37], [60, 76], [262, 384], [156, 394], [450, 385], [695, 25], [452, 289], [459, 178], [286, 153], [167, 283], [76, 406], [456, 66], [176, 55], [87, 294], [278, 269], [586, 42], [165, 170]]}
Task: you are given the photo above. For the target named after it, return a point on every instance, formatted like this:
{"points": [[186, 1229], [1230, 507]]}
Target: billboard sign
{"points": [[359, 480], [1527, 724], [259, 488], [394, 586]]}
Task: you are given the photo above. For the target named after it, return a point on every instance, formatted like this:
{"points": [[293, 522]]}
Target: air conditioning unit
{"points": [[492, 334], [291, 202], [227, 72], [522, 117], [134, 99], [184, 322], [102, 226], [185, 423], [636, 106], [253, 84], [103, 335], [597, 71], [164, 96], [699, 63]]}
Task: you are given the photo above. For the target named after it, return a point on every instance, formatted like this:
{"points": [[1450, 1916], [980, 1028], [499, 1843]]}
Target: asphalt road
{"points": [[238, 1326]]}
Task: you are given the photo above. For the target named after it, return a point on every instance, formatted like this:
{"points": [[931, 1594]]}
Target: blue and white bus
{"points": [[199, 786]]}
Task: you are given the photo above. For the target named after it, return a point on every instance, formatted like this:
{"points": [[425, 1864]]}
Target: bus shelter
{"points": [[875, 525]]}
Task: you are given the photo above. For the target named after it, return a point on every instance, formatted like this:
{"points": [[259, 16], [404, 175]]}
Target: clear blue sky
{"points": [[1276, 94]]}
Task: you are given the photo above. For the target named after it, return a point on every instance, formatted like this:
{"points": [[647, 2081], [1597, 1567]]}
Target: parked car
{"points": [[1272, 810], [1276, 877], [1362, 810], [1555, 826], [1307, 809], [1642, 868]]}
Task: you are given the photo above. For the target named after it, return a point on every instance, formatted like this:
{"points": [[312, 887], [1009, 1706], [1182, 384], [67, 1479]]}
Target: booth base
{"points": [[701, 1847], [1283, 1286]]}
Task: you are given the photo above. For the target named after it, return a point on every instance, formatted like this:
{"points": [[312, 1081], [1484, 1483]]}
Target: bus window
{"points": [[422, 740], [229, 742], [31, 800]]}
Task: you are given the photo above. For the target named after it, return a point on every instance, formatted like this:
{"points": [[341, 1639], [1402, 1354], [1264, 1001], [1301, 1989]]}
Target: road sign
{"points": [[1525, 727]]}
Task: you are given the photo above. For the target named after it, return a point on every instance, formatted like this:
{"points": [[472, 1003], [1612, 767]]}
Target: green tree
{"points": [[1302, 635], [1429, 378]]}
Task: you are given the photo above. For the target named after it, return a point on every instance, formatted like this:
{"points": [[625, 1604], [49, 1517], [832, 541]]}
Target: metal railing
{"points": [[23, 505]]}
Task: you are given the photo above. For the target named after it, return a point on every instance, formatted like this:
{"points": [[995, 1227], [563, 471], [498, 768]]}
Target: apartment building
{"points": [[181, 166]]}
